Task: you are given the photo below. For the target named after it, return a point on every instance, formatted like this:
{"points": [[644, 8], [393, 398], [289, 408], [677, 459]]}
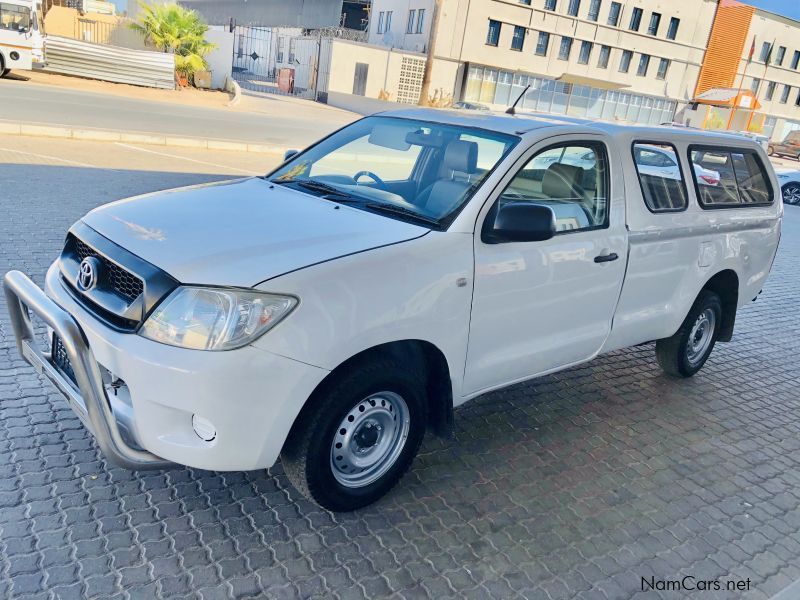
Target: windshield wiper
{"points": [[399, 210], [318, 186]]}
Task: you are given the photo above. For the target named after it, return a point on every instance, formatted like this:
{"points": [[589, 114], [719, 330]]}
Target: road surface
{"points": [[278, 121]]}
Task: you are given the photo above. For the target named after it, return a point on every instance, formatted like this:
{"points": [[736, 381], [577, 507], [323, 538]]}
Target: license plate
{"points": [[61, 359]]}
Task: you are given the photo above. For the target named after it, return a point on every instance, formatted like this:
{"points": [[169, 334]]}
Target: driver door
{"points": [[538, 306]]}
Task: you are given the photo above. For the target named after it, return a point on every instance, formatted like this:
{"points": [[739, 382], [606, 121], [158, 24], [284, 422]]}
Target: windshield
{"points": [[405, 169], [14, 17]]}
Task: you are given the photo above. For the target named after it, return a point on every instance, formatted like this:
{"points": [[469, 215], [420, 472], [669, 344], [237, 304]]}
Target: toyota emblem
{"points": [[88, 272]]}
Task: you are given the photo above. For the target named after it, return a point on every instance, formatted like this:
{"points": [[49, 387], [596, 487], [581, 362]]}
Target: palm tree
{"points": [[173, 28]]}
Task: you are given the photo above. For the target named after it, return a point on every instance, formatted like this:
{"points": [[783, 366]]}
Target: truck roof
{"points": [[523, 122]]}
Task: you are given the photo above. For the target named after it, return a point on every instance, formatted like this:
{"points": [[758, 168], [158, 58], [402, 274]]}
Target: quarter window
{"points": [[571, 179], [660, 177], [741, 178]]}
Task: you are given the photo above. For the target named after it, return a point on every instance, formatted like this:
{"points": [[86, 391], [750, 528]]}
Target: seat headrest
{"points": [[562, 181], [462, 156]]}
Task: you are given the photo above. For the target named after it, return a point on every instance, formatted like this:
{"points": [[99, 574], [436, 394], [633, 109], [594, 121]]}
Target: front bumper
{"points": [[251, 396]]}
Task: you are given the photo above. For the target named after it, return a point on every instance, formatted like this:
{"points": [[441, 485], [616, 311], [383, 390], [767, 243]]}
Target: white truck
{"points": [[334, 310], [21, 41]]}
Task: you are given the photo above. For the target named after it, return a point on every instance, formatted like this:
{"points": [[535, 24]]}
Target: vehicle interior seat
{"points": [[442, 195]]}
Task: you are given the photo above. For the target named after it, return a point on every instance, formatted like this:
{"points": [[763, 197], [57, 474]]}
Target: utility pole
{"points": [[424, 93]]}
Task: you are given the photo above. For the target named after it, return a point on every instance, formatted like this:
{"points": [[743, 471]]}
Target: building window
{"points": [[542, 43], [672, 30], [526, 2], [785, 93], [381, 17], [663, 67], [586, 51], [388, 24], [594, 10], [602, 60], [797, 101], [754, 85], [770, 90], [412, 15], [796, 59], [636, 19], [655, 21], [519, 38], [625, 61], [420, 20], [549, 4], [644, 63], [780, 55], [613, 14], [574, 7], [565, 49], [766, 47], [493, 36]]}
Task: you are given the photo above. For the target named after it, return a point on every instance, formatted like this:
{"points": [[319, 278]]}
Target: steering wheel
{"points": [[372, 176]]}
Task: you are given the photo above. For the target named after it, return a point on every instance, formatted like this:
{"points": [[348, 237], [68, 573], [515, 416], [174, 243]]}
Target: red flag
{"points": [[752, 50]]}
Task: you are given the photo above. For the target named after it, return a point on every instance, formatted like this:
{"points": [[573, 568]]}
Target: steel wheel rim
{"points": [[700, 337], [369, 439], [792, 194]]}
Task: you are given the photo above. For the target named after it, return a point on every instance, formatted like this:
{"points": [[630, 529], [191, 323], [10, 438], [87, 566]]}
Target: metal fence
{"points": [[285, 60], [110, 63]]}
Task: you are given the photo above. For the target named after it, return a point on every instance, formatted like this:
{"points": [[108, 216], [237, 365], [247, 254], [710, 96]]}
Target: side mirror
{"points": [[522, 222], [290, 154]]}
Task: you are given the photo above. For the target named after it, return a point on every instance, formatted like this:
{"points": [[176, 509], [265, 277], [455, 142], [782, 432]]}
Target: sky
{"points": [[789, 8]]}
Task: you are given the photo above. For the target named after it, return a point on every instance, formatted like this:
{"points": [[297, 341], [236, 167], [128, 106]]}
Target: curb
{"points": [[106, 135]]}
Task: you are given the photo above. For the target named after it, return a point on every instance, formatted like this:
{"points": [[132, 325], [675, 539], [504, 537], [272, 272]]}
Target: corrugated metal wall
{"points": [[725, 46], [110, 63]]}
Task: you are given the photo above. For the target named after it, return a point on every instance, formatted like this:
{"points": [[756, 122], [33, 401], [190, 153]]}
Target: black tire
{"points": [[4, 72], [791, 194], [770, 151], [307, 453], [673, 353]]}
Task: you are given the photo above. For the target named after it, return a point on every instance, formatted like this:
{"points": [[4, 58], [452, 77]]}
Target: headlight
{"points": [[215, 319]]}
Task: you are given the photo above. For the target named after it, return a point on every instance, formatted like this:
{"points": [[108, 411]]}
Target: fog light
{"points": [[203, 428]]}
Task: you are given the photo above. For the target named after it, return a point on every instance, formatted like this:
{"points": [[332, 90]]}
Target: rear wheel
{"points": [[791, 194], [685, 353], [355, 441]]}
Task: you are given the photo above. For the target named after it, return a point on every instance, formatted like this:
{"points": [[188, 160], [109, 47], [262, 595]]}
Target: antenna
{"points": [[510, 110]]}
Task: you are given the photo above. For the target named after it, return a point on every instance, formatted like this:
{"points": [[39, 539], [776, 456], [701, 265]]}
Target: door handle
{"points": [[606, 257]]}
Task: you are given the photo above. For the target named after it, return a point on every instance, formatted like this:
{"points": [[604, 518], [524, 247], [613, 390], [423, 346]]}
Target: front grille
{"points": [[61, 360], [121, 281]]}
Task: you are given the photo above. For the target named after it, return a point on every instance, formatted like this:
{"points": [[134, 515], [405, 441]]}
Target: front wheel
{"points": [[4, 72], [355, 441], [791, 194], [685, 353]]}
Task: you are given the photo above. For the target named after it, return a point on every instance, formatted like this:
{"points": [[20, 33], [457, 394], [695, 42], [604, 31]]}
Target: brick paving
{"points": [[575, 485]]}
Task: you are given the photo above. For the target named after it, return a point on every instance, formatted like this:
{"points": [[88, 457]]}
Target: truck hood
{"points": [[243, 232]]}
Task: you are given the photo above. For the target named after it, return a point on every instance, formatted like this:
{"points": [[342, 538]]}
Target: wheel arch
{"points": [[428, 357], [726, 285]]}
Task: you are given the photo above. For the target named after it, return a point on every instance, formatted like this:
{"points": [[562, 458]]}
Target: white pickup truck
{"points": [[334, 310]]}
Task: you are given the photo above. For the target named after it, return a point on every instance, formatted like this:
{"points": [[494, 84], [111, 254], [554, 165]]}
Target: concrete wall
{"points": [[219, 60], [278, 13], [397, 37]]}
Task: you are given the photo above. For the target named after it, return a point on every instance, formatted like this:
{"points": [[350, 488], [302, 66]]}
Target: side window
{"points": [[660, 176], [726, 179], [571, 179]]}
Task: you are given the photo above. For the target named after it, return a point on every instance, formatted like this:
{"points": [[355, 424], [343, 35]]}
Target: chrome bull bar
{"points": [[90, 401]]}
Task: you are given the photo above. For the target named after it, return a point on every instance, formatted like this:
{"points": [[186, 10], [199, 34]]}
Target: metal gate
{"points": [[279, 60]]}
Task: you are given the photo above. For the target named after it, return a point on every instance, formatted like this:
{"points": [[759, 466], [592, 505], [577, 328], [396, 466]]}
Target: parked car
{"points": [[790, 146], [333, 311], [790, 185]]}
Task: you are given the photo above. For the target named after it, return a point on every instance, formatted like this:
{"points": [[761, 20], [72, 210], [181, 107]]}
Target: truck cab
{"points": [[333, 311]]}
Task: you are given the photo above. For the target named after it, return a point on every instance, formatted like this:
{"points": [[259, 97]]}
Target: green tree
{"points": [[173, 28]]}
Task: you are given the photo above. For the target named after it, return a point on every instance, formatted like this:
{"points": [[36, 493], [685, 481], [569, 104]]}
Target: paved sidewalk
{"points": [[574, 485]]}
